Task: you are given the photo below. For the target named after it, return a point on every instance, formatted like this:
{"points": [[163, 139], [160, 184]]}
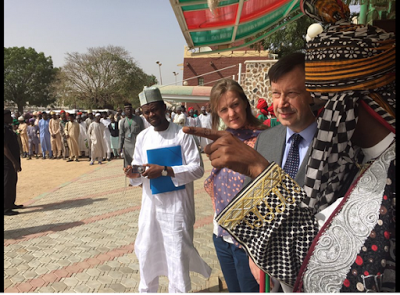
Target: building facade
{"points": [[247, 66]]}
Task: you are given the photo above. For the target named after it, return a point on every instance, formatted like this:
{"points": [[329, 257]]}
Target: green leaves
{"points": [[28, 76]]}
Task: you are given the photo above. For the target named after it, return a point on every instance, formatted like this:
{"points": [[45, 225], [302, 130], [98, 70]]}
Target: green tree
{"points": [[104, 77], [28, 77]]}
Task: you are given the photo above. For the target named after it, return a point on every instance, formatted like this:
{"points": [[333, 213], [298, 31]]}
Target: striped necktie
{"points": [[293, 159]]}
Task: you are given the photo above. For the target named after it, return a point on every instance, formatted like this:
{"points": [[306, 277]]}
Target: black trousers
{"points": [[10, 187]]}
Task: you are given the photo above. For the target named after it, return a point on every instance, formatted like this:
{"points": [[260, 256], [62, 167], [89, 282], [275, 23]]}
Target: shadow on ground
{"points": [[60, 205], [21, 233]]}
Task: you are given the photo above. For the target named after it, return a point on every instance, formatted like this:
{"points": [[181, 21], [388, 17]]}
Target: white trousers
{"points": [[152, 287]]}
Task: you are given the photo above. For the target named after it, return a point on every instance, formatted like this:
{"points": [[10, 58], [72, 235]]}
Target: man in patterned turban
{"points": [[352, 163], [336, 233]]}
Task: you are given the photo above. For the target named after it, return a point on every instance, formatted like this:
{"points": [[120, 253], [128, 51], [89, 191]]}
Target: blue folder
{"points": [[169, 156]]}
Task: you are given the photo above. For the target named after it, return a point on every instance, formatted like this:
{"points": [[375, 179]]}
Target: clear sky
{"points": [[147, 29]]}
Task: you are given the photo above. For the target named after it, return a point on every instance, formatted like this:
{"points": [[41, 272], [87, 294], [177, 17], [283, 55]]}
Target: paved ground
{"points": [[79, 238]]}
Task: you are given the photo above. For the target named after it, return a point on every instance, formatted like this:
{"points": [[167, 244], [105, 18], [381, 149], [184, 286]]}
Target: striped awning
{"points": [[232, 21], [185, 93]]}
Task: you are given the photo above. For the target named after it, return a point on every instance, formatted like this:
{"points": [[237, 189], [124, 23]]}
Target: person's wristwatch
{"points": [[165, 171]]}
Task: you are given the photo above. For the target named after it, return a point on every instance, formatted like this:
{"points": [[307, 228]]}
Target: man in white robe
{"points": [[192, 121], [164, 243], [205, 122], [107, 137], [89, 119], [96, 134], [83, 138], [179, 118]]}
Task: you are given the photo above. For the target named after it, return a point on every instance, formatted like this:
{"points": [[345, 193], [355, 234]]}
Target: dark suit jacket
{"points": [[271, 144]]}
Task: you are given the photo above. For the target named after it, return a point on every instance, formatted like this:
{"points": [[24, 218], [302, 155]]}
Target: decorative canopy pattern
{"points": [[225, 24]]}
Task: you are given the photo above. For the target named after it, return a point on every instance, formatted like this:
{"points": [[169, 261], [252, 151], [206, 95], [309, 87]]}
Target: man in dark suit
{"points": [[292, 107], [12, 165]]}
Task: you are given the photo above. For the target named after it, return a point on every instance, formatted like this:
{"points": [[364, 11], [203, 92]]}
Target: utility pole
{"points": [[159, 67], [175, 74]]}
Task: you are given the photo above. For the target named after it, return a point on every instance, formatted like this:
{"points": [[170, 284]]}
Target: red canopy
{"points": [[231, 22]]}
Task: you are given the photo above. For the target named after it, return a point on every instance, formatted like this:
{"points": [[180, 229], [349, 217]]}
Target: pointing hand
{"points": [[230, 152]]}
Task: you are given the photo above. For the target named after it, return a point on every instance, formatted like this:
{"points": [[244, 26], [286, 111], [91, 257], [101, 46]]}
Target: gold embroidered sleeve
{"points": [[267, 197], [265, 217]]}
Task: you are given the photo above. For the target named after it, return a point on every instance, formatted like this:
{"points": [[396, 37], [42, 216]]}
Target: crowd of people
{"points": [[96, 136], [70, 136], [63, 135]]}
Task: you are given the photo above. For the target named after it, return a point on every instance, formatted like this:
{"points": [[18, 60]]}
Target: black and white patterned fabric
{"points": [[333, 156], [254, 219]]}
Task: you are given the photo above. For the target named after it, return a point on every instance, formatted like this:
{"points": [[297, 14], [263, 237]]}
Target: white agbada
{"points": [[106, 137], [83, 139], [164, 243], [180, 119], [97, 147], [205, 122], [194, 122]]}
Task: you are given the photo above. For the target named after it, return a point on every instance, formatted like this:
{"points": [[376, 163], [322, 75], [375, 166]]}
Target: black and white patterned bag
{"points": [[265, 216]]}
